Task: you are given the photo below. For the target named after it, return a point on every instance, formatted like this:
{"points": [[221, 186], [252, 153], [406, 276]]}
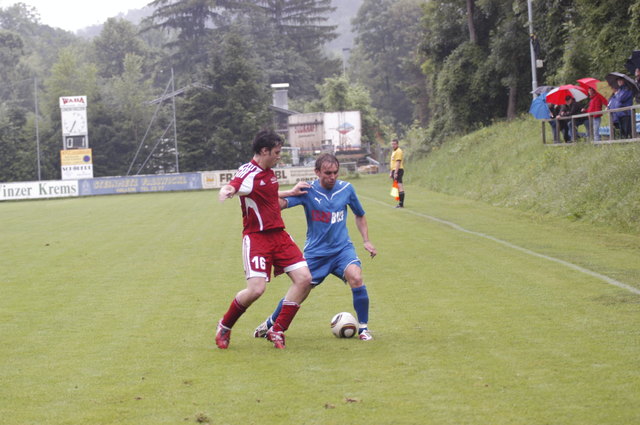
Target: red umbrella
{"points": [[592, 83], [557, 96], [589, 83]]}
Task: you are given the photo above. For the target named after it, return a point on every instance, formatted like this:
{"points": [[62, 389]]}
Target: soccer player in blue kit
{"points": [[328, 248]]}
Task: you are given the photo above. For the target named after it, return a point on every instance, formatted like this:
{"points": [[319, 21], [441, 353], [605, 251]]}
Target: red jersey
{"points": [[258, 191]]}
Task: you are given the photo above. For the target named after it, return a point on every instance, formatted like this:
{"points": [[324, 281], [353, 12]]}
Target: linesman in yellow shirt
{"points": [[396, 167]]}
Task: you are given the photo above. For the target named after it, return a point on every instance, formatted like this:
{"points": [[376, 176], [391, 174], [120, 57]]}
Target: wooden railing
{"points": [[606, 134]]}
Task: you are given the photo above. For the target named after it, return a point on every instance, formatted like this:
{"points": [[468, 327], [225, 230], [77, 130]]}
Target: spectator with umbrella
{"points": [[596, 103], [539, 108], [613, 104], [540, 111], [633, 62], [568, 97], [633, 66], [571, 107], [624, 86], [637, 75]]}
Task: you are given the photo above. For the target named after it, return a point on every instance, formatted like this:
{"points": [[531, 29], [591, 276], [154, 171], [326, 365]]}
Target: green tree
{"points": [[124, 118], [41, 42], [384, 59], [19, 60], [509, 57], [609, 32], [15, 162], [117, 39], [302, 23], [217, 125], [289, 37], [634, 25], [20, 18], [473, 80], [16, 95], [193, 22], [71, 75], [459, 100], [11, 53], [553, 21]]}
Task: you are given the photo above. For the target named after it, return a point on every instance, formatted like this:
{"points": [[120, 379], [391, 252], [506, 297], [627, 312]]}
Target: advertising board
{"points": [[140, 184], [76, 164], [36, 190]]}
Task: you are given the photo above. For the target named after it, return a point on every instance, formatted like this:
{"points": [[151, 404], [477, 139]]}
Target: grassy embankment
{"points": [[507, 165]]}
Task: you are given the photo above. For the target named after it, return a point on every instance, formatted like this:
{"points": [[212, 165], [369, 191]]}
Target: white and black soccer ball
{"points": [[344, 325]]}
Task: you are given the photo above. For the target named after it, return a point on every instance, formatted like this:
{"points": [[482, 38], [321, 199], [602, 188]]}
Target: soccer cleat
{"points": [[399, 206], [261, 330], [277, 337], [223, 335], [365, 335]]}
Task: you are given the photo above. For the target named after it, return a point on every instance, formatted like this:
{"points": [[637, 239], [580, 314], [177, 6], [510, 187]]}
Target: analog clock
{"points": [[74, 122]]}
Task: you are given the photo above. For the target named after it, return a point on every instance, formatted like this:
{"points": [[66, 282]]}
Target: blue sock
{"points": [[361, 303], [271, 320]]}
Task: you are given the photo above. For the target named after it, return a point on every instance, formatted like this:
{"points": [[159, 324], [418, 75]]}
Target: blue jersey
{"points": [[326, 212]]}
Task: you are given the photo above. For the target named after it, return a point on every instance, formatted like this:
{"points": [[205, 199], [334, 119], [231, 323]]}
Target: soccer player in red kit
{"points": [[265, 243]]}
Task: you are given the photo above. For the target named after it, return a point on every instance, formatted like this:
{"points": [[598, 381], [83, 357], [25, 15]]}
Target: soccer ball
{"points": [[344, 325]]}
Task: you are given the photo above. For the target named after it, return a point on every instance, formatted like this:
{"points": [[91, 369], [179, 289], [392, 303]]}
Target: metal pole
{"points": [[534, 79], [155, 113], [345, 58], [175, 131], [35, 95]]}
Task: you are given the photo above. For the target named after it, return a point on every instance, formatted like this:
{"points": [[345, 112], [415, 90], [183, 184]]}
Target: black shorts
{"points": [[399, 175]]}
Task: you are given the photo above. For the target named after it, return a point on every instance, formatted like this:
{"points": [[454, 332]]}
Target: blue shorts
{"points": [[321, 267]]}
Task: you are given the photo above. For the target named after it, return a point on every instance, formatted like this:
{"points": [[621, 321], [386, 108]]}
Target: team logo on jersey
{"points": [[327, 216], [323, 216], [262, 183]]}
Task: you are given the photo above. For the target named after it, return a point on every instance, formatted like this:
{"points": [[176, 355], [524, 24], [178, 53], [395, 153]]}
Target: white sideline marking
{"points": [[607, 279]]}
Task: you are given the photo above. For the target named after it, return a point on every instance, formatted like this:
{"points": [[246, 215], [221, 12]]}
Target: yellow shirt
{"points": [[396, 155]]}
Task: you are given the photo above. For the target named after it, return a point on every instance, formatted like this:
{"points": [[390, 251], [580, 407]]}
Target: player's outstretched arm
{"points": [[299, 189], [227, 191], [363, 228]]}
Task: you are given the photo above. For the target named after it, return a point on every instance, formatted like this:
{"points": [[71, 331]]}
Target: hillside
{"points": [[507, 165], [345, 11]]}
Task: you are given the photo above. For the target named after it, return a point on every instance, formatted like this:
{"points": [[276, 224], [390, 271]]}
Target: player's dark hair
{"points": [[266, 139], [326, 158]]}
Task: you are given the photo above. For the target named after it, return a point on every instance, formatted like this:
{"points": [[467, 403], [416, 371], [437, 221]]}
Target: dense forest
{"points": [[442, 67]]}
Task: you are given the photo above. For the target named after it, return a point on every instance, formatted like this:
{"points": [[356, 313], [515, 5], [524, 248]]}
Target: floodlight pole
{"points": [[35, 96], [175, 131], [534, 78]]}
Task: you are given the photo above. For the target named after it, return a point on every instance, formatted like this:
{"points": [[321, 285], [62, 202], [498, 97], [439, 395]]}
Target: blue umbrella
{"points": [[542, 90], [539, 108]]}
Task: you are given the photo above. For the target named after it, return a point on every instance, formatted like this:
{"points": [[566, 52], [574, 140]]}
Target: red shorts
{"points": [[273, 248]]}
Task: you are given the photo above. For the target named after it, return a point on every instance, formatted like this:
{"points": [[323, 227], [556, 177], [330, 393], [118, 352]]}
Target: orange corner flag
{"points": [[394, 191]]}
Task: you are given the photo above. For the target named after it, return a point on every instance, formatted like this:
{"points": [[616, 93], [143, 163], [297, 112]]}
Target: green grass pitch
{"points": [[108, 307]]}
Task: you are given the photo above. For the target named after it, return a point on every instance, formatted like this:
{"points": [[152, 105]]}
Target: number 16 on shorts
{"points": [[255, 263], [259, 263]]}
